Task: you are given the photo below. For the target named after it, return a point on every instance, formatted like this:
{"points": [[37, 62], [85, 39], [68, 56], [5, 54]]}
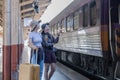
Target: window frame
{"points": [[93, 4], [56, 28], [70, 22], [85, 15], [78, 20]]}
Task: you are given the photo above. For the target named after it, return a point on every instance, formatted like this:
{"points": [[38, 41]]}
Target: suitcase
{"points": [[36, 72], [29, 71]]}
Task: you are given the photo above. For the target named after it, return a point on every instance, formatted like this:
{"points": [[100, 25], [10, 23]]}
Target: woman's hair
{"points": [[44, 25]]}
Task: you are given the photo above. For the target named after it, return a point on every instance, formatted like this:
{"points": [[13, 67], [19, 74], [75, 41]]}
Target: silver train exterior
{"points": [[90, 36]]}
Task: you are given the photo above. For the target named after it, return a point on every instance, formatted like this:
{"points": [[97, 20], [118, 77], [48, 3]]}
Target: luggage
{"points": [[29, 71], [36, 72]]}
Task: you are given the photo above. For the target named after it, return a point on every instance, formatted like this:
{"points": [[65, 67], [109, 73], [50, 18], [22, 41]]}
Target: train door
{"points": [[115, 28], [115, 35]]}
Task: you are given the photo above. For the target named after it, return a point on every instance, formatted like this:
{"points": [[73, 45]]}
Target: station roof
{"points": [[27, 9], [74, 6], [1, 16]]}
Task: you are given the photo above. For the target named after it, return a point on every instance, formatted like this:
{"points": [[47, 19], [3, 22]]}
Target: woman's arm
{"points": [[31, 44], [55, 40]]}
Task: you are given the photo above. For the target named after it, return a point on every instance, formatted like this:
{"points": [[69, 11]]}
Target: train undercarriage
{"points": [[93, 67]]}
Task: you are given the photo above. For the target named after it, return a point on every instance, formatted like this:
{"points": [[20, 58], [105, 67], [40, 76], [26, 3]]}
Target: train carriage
{"points": [[90, 36]]}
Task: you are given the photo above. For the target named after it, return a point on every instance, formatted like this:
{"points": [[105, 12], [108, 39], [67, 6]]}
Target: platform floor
{"points": [[62, 72], [65, 73], [58, 75]]}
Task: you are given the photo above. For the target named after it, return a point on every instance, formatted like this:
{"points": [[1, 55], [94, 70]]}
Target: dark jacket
{"points": [[48, 44]]}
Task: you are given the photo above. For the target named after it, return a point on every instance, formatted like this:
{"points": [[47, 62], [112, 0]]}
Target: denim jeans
{"points": [[40, 62]]}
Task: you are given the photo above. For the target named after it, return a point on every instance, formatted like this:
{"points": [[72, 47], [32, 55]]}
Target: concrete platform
{"points": [[69, 73], [62, 72], [58, 75]]}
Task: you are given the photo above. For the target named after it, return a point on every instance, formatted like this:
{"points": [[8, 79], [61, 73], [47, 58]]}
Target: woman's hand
{"points": [[35, 48], [30, 44], [59, 31]]}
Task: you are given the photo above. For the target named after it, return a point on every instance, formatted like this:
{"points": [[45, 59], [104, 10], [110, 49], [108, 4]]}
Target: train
{"points": [[90, 38]]}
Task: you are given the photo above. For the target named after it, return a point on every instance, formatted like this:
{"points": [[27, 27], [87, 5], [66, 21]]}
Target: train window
{"points": [[53, 29], [70, 23], [80, 17], [93, 13], [56, 29], [50, 28], [76, 20], [85, 15], [63, 25], [59, 26]]}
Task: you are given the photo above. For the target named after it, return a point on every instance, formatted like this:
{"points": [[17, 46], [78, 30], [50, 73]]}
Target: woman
{"points": [[48, 42], [35, 40]]}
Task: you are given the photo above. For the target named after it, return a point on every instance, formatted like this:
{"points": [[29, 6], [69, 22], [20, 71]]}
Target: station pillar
{"points": [[12, 39], [15, 19], [7, 40]]}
